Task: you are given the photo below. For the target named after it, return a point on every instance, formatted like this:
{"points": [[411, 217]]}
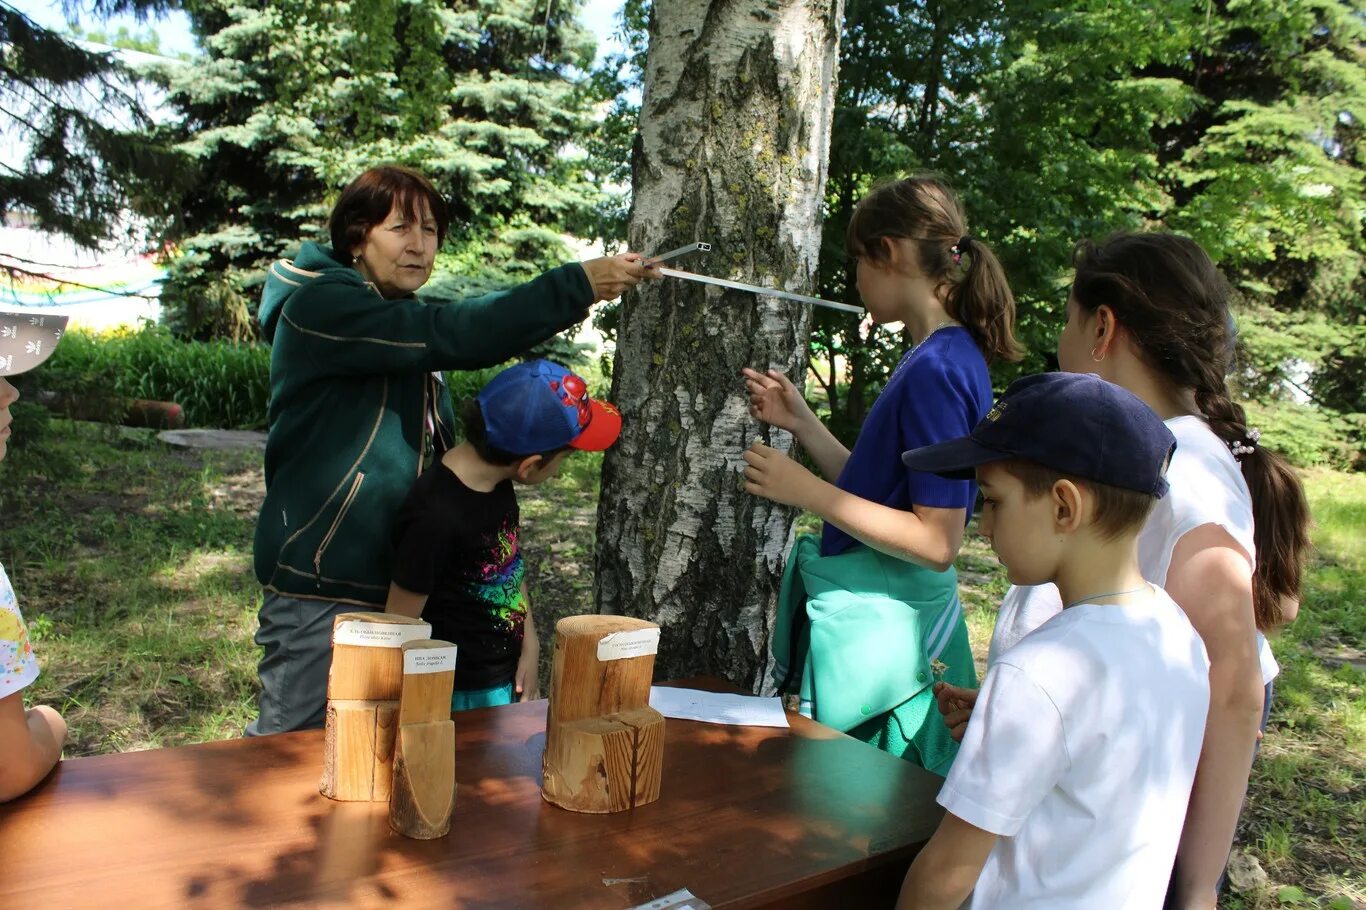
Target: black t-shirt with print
{"points": [[459, 547]]}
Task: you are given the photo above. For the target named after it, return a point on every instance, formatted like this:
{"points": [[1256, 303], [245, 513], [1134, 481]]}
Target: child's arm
{"points": [[775, 400], [526, 684], [32, 741], [404, 602], [945, 871], [927, 536], [1210, 579]]}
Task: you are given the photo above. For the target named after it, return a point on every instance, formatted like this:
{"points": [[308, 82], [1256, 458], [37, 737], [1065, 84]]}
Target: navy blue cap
{"points": [[1073, 423], [539, 406]]}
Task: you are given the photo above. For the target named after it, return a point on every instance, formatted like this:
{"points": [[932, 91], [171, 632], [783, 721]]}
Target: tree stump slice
{"points": [[604, 743], [423, 792], [424, 780], [367, 654], [363, 687]]}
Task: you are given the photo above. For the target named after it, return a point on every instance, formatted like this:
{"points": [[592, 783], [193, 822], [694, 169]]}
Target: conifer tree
{"points": [[294, 98], [75, 121]]}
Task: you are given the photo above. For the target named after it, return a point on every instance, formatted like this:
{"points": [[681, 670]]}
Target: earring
{"points": [[1095, 358]]}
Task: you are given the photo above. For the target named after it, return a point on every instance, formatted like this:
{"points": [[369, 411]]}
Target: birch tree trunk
{"points": [[734, 136]]}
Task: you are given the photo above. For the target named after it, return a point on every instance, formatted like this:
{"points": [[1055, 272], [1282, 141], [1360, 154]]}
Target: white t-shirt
{"points": [[1207, 487], [18, 666], [1081, 754]]}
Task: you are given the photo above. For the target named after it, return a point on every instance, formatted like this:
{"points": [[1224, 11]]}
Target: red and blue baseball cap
{"points": [[1073, 423], [540, 406]]}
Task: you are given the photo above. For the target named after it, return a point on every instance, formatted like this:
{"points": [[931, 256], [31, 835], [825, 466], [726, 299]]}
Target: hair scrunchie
{"points": [[960, 247]]}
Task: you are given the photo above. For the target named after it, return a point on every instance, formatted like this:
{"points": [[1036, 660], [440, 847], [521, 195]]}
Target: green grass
{"points": [[1305, 821], [131, 562]]}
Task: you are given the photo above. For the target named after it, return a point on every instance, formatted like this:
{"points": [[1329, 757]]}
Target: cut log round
{"points": [[604, 743], [363, 687], [424, 780]]}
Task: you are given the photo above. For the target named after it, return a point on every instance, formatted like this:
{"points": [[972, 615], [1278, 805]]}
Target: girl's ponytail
{"points": [[1168, 294], [924, 210], [983, 302], [1280, 512]]}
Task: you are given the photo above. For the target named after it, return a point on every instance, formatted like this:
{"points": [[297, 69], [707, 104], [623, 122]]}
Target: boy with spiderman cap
{"points": [[457, 561], [1072, 780]]}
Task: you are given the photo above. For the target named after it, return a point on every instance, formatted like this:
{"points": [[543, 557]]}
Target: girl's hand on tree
{"points": [[772, 475], [775, 400], [956, 704], [611, 276]]}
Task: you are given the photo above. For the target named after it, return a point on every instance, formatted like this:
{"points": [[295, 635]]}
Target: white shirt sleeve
{"points": [[1013, 754]]}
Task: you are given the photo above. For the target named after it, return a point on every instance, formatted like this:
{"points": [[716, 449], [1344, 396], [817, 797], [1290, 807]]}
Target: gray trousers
{"points": [[296, 638]]}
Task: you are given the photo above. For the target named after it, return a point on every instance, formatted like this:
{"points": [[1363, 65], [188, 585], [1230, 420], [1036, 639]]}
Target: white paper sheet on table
{"points": [[718, 707]]}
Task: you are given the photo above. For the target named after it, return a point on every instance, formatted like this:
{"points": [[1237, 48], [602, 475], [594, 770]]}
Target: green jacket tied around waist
{"points": [[860, 628]]}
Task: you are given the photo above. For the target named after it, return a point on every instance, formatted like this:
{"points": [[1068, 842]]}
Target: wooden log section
{"points": [[363, 687], [423, 792], [367, 654], [604, 743]]}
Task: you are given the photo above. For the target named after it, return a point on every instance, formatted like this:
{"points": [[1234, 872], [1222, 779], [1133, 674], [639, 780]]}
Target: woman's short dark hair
{"points": [[369, 198]]}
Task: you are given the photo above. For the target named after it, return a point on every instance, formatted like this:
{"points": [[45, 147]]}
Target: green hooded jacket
{"points": [[351, 391]]}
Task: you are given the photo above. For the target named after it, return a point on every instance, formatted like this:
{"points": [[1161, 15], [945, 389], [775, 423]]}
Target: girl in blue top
{"points": [[891, 534]]}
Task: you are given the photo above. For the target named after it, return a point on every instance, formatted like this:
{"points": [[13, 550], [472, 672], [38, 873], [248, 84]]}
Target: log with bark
{"points": [[604, 746]]}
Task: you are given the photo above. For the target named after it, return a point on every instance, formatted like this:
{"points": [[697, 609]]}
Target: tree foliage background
{"points": [[293, 98], [1238, 123], [74, 119]]}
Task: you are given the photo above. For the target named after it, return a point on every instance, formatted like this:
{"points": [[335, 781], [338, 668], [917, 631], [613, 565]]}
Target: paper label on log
{"points": [[621, 645], [429, 660], [379, 634]]}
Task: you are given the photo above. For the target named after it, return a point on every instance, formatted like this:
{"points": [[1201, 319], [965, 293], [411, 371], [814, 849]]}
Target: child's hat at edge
{"points": [[540, 406], [1073, 423], [27, 339]]}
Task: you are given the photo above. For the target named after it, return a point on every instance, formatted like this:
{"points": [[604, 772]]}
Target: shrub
{"points": [[218, 383]]}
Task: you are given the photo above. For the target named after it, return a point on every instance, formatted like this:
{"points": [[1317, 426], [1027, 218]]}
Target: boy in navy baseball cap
{"points": [[1076, 764], [457, 561]]}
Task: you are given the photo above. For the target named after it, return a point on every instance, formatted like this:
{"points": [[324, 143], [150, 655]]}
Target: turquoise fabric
{"points": [[465, 699], [859, 625], [915, 730]]}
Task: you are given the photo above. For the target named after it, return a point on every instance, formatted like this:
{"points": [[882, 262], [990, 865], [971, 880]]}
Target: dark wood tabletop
{"points": [[748, 817]]}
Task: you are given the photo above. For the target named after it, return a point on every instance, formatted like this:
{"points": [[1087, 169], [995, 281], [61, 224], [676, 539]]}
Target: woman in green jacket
{"points": [[358, 409]]}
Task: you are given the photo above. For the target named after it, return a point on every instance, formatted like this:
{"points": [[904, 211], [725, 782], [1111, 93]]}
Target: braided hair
{"points": [[1168, 294]]}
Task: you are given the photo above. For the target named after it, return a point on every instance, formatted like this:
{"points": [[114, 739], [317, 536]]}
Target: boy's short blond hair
{"points": [[1118, 511]]}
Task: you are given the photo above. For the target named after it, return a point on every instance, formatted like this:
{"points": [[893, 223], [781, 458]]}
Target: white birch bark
{"points": [[734, 135]]}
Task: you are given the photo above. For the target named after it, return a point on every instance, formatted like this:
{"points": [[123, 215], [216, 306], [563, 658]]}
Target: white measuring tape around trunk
{"points": [[702, 247], [755, 289]]}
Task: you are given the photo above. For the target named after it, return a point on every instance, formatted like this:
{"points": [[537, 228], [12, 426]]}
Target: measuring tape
{"points": [[700, 247]]}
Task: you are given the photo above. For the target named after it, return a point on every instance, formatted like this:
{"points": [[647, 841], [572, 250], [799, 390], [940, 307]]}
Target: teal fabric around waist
{"points": [[860, 630]]}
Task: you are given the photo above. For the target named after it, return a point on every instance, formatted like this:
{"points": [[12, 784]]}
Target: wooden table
{"points": [[749, 817]]}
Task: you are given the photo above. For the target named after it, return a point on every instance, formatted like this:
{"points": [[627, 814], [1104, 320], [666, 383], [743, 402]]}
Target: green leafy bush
{"points": [[218, 383]]}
